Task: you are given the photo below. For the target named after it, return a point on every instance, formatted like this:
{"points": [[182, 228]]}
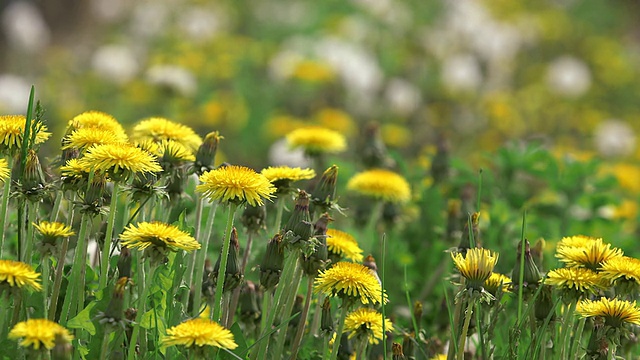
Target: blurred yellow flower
{"points": [[199, 332], [38, 333], [381, 184], [19, 274], [84, 138], [628, 176], [96, 120], [395, 135], [276, 173], [313, 71], [335, 119], [281, 125], [316, 139]]}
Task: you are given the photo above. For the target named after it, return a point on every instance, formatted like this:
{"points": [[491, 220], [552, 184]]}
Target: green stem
{"points": [[303, 320], [141, 310], [315, 327], [55, 210], [567, 321], [224, 256], [465, 328], [200, 259], [382, 300], [45, 281], [361, 348], [32, 211], [576, 338], [455, 327], [325, 346], [57, 283], [371, 230], [188, 276], [279, 211], [336, 343], [105, 344], [78, 263], [5, 205], [285, 308], [233, 304], [104, 265]]}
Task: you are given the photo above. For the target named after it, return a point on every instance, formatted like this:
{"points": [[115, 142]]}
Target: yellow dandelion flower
{"points": [[19, 274], [317, 140], [53, 229], [497, 283], [84, 138], [336, 119], [174, 152], [615, 312], [12, 130], [476, 266], [623, 267], [149, 146], [237, 184], [576, 241], [96, 120], [381, 184], [350, 281], [589, 256], [119, 160], [277, 173], [366, 323], [439, 357], [313, 71], [158, 129], [200, 332], [580, 280], [74, 169], [343, 245], [38, 333], [157, 235], [4, 170]]}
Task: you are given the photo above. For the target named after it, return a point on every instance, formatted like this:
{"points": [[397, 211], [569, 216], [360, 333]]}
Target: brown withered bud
{"points": [[396, 350]]}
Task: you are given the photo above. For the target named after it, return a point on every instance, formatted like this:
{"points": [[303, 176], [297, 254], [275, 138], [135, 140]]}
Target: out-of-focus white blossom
{"points": [[109, 10], [115, 63], [568, 76], [174, 77], [402, 96], [149, 19], [280, 154], [461, 73], [14, 94], [282, 12], [200, 23], [283, 64], [614, 138], [25, 27]]}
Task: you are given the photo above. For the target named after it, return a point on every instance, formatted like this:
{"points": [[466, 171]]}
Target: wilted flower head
{"points": [[235, 184], [366, 323], [381, 184], [39, 333]]}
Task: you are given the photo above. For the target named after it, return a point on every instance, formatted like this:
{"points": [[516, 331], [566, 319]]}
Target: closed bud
{"points": [[233, 276], [440, 163], [326, 320], [33, 184], [62, 349], [206, 153], [373, 152], [396, 351], [465, 241], [532, 276], [324, 194], [543, 305], [417, 312], [114, 314], [300, 212], [314, 262], [272, 263], [124, 262], [248, 303]]}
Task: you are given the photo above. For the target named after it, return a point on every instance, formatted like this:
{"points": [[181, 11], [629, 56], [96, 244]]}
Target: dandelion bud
{"points": [[538, 252], [326, 320], [345, 351], [272, 263], [248, 301], [373, 152], [465, 241], [408, 347], [206, 153], [233, 275], [396, 350], [300, 212], [62, 349], [324, 193], [543, 305], [94, 196], [33, 184], [254, 218], [114, 314], [314, 262], [532, 275], [370, 262], [417, 312]]}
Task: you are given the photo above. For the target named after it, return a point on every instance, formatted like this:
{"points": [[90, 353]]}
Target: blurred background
{"points": [[476, 73]]}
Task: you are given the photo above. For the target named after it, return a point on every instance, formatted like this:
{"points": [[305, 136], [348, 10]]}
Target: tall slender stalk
{"points": [[567, 322], [279, 211], [303, 319], [78, 263], [191, 262], [57, 282], [465, 328], [46, 264], [201, 257], [340, 330], [104, 265], [105, 344], [141, 310], [233, 304], [55, 210], [223, 263], [32, 214], [285, 307], [5, 205]]}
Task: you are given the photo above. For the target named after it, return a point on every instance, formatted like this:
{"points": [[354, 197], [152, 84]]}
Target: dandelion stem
{"points": [[200, 259], [233, 305], [577, 336], [57, 283], [303, 320], [45, 280], [567, 322], [193, 255], [104, 265], [105, 344], [286, 307], [223, 264], [5, 205], [279, 211], [79, 263], [336, 343], [55, 210], [465, 327], [32, 214], [142, 301]]}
